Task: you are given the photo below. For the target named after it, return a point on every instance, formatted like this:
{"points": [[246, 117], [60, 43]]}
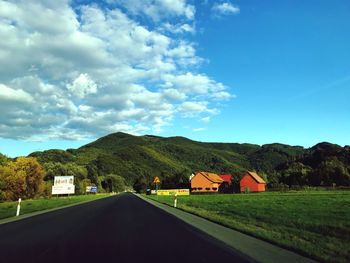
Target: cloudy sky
{"points": [[231, 71]]}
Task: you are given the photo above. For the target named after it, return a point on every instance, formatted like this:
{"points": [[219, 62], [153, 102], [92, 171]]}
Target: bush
{"points": [[23, 178]]}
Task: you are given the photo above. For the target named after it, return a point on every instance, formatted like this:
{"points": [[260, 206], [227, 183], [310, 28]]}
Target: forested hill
{"points": [[139, 158], [135, 156], [324, 164]]}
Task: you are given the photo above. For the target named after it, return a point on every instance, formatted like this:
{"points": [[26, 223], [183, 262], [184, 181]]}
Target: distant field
{"points": [[8, 209], [314, 223]]}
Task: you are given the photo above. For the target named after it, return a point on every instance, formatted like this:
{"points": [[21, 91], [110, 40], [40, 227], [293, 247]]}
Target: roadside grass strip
{"points": [[313, 223]]}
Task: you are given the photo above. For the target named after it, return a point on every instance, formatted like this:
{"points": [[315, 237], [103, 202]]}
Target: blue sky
{"points": [[225, 71]]}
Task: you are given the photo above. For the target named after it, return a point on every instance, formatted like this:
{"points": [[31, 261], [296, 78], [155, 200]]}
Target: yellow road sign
{"points": [[156, 180], [174, 192]]}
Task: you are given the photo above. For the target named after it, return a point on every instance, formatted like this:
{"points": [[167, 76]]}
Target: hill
{"points": [[324, 164], [138, 159]]}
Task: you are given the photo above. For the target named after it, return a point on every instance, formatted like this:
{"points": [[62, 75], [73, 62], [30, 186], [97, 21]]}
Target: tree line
{"points": [[25, 177], [325, 165]]}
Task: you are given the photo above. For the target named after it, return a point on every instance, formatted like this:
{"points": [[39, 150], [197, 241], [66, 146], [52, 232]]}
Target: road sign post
{"points": [[18, 206], [175, 200], [156, 181]]}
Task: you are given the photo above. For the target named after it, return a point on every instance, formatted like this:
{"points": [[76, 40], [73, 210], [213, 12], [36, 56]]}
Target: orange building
{"points": [[252, 182], [203, 182]]}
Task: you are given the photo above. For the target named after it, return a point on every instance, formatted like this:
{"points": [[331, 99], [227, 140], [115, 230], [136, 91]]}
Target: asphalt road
{"points": [[122, 228]]}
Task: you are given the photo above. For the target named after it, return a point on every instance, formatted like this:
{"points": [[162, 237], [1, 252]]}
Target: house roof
{"points": [[211, 177], [256, 177], [226, 177]]}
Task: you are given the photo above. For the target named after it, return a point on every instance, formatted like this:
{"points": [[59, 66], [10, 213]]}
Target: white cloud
{"points": [[193, 83], [198, 129], [194, 108], [85, 71], [225, 8], [178, 28], [205, 119], [158, 9], [82, 86], [8, 94], [222, 95], [190, 106], [174, 94]]}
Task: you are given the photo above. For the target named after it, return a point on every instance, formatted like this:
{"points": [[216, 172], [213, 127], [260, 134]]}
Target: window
{"points": [[207, 188], [214, 188]]}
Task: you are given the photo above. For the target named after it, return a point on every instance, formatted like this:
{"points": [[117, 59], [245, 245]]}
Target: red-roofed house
{"points": [[204, 182], [227, 178], [226, 186], [252, 182]]}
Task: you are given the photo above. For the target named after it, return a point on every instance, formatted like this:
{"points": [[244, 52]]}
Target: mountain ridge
{"points": [[141, 158]]}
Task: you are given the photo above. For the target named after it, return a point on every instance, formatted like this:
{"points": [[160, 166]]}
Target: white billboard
{"points": [[63, 185], [63, 189], [63, 180]]}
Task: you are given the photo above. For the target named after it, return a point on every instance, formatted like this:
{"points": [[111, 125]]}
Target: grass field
{"points": [[314, 223], [8, 209]]}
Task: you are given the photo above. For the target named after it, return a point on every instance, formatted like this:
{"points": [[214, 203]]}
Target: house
{"points": [[252, 182], [226, 186], [227, 178], [204, 182]]}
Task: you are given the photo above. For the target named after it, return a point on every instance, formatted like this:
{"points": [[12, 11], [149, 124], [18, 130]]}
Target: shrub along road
{"points": [[122, 228]]}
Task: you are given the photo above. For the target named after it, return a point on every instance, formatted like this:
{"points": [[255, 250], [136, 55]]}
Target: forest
{"points": [[120, 160]]}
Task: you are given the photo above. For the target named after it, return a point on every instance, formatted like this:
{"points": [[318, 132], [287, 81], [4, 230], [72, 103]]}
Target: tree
{"points": [[92, 173], [177, 180], [34, 175], [114, 183], [264, 176], [332, 171], [53, 156], [22, 178], [83, 184], [13, 184], [3, 159], [140, 184], [225, 187], [79, 173], [54, 169], [297, 174], [235, 183]]}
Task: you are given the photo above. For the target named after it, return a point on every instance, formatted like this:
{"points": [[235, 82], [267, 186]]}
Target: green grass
{"points": [[315, 223], [8, 209]]}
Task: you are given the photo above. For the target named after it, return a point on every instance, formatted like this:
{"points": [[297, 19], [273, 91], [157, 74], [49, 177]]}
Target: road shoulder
{"points": [[20, 217], [256, 249]]}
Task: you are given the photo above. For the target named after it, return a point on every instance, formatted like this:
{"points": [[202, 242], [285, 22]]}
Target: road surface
{"points": [[122, 228]]}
